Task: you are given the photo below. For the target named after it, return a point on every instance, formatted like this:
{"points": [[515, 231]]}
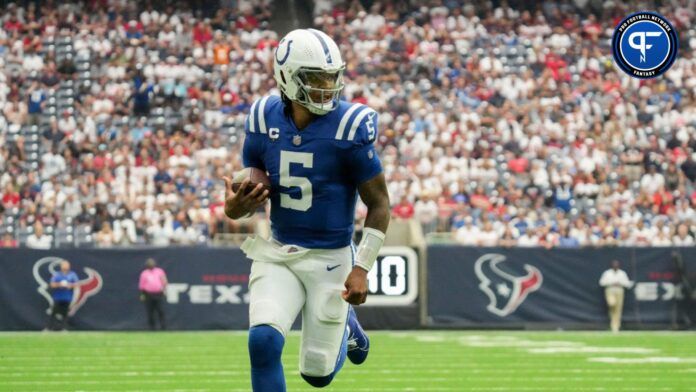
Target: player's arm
{"points": [[241, 203], [372, 187], [55, 282], [374, 194]]}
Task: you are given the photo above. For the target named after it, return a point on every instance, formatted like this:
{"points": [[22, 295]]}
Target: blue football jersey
{"points": [[315, 172]]}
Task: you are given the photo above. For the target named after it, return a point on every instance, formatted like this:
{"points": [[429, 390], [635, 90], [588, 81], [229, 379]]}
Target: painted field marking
{"points": [[643, 360]]}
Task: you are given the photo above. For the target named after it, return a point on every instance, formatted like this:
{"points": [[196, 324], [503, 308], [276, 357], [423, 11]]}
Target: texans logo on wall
{"points": [[85, 288], [505, 291]]}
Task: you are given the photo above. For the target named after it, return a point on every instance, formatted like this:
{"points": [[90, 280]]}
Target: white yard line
{"points": [[642, 360]]}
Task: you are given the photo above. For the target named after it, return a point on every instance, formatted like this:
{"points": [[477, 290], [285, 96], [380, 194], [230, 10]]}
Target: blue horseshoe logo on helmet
{"points": [[287, 53]]}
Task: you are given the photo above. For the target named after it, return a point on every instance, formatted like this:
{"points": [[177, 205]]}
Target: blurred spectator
{"points": [[36, 104], [160, 232], [652, 181], [8, 241], [38, 239], [404, 209], [565, 240], [10, 198], [105, 237], [528, 239], [504, 113], [425, 211], [682, 237], [142, 91], [487, 236], [507, 239], [124, 232], [468, 233]]}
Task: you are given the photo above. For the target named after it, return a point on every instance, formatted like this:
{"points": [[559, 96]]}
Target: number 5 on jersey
{"points": [[306, 159]]}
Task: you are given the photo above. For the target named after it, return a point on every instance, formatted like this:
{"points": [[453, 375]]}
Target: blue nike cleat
{"points": [[358, 342]]}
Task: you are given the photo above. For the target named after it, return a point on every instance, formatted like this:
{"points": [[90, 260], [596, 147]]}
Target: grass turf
{"points": [[399, 361]]}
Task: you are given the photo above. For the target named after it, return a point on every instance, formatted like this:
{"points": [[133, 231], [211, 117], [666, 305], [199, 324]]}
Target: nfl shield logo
{"points": [[296, 140]]}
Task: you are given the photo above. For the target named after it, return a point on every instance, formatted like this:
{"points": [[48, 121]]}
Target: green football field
{"points": [[399, 361]]}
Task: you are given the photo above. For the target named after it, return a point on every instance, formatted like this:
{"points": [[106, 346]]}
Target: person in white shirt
{"points": [[682, 237], [488, 236], [529, 239], [466, 235], [124, 231], [185, 234], [161, 232], [39, 240], [652, 180], [615, 281], [425, 210]]}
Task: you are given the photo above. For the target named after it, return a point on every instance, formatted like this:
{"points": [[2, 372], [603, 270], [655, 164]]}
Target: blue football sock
{"points": [[265, 349]]}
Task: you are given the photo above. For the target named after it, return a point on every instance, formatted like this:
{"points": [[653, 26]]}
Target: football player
{"points": [[319, 155]]}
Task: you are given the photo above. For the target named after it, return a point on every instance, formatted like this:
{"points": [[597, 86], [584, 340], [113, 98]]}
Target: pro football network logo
{"points": [[85, 288], [505, 291], [645, 45]]}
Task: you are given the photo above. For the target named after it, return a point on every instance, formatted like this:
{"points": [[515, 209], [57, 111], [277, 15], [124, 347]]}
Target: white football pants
{"points": [[311, 283]]}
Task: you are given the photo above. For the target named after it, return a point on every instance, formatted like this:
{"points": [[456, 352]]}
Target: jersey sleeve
{"points": [[252, 152], [364, 163]]}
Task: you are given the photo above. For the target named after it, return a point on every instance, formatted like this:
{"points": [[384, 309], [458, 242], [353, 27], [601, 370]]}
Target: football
{"points": [[255, 176]]}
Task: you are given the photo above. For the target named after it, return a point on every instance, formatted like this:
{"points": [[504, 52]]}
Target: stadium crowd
{"points": [[500, 124]]}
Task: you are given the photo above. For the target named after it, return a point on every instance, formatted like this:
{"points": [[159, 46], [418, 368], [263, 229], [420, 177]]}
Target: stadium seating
{"points": [[486, 112]]}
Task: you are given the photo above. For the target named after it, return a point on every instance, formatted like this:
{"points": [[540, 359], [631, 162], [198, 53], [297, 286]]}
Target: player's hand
{"points": [[241, 203], [356, 287]]}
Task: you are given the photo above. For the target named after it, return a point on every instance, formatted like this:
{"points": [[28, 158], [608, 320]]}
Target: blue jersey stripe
{"points": [[327, 53]]}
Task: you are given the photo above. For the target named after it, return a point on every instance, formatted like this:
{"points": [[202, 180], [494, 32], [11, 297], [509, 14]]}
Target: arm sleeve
{"points": [[603, 281], [141, 282], [364, 163], [252, 152]]}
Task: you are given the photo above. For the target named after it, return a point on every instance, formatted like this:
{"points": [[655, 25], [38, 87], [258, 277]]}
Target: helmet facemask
{"points": [[319, 89]]}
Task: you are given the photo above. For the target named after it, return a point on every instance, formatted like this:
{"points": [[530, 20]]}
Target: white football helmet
{"points": [[308, 68]]}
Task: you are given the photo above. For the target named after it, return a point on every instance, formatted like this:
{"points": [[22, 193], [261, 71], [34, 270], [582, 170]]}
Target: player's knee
{"points": [[318, 382], [265, 345]]}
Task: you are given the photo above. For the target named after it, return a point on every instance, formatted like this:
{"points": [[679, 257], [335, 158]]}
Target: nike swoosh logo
{"points": [[328, 268]]}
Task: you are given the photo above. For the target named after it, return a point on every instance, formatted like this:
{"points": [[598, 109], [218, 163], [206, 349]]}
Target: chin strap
{"points": [[368, 249]]}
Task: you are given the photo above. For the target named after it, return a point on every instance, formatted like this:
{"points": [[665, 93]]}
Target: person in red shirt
{"points": [[11, 197], [248, 20], [663, 201], [13, 25], [480, 200], [555, 63], [404, 209], [518, 164], [8, 241], [202, 33]]}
